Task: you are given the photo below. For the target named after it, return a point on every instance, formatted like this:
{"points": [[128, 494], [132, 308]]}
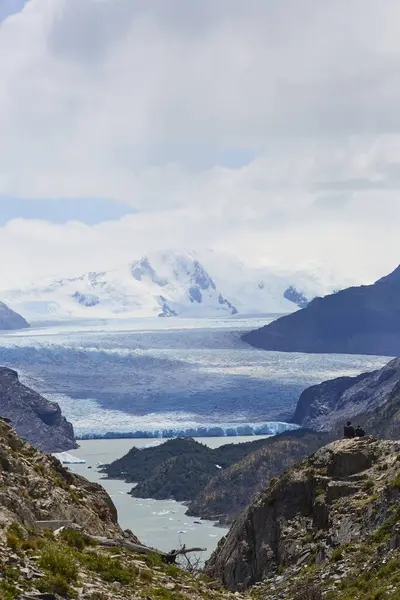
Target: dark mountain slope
{"points": [[231, 490], [357, 320], [35, 419], [322, 406], [10, 320]]}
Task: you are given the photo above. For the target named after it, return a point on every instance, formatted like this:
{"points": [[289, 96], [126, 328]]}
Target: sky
{"points": [[268, 130]]}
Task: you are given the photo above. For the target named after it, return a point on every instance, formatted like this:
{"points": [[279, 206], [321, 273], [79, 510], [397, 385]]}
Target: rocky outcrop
{"points": [[357, 320], [59, 538], [230, 491], [325, 405], [10, 320], [35, 419], [346, 494], [36, 487]]}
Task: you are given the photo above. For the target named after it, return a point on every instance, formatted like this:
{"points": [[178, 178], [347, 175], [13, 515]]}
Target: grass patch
{"points": [[163, 594], [395, 483], [56, 584], [73, 538], [173, 571], [337, 555], [154, 560], [109, 569], [383, 532], [146, 575]]}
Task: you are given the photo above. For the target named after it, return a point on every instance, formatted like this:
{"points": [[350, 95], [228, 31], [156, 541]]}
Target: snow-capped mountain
{"points": [[169, 284], [164, 285]]}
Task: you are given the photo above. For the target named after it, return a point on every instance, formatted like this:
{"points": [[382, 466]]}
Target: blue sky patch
{"points": [[89, 211]]}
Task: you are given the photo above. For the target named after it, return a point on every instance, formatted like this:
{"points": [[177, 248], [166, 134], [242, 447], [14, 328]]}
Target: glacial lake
{"points": [[158, 523]]}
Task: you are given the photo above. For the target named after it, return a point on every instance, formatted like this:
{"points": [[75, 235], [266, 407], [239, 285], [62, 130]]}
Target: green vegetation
{"points": [[59, 561], [232, 489], [182, 468], [56, 584], [109, 569], [369, 485], [395, 483]]}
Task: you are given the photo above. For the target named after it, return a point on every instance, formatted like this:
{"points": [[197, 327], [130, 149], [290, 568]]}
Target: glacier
{"points": [[166, 377]]}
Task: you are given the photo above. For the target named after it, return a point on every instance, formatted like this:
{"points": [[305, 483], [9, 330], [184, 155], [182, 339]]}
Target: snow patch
{"points": [[68, 459]]}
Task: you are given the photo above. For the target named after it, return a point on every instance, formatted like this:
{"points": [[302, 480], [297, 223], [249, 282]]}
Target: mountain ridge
{"points": [[11, 320], [173, 283], [356, 320]]}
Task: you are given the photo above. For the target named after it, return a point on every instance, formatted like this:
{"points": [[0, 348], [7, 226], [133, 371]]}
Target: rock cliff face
{"points": [[323, 406], [232, 489], [48, 517], [36, 487], [10, 319], [35, 419], [346, 494], [357, 320]]}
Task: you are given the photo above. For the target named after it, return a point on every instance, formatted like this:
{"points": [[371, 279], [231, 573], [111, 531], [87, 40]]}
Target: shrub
{"points": [[154, 560], [13, 541], [395, 483], [73, 538], [173, 571], [146, 575], [369, 485], [337, 555], [308, 592], [109, 569], [59, 561], [56, 584]]}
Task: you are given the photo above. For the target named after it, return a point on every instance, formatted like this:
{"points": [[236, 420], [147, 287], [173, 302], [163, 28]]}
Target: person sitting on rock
{"points": [[359, 431], [349, 430]]}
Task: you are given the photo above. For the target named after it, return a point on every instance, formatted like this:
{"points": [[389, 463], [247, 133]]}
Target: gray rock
{"points": [[33, 417], [323, 406], [9, 319], [275, 529]]}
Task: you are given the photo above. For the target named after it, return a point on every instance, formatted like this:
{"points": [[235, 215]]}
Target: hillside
{"points": [[232, 489], [59, 539], [10, 320], [328, 528], [179, 468], [35, 419], [324, 405], [357, 320]]}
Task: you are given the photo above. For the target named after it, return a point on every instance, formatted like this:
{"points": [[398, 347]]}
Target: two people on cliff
{"points": [[350, 432]]}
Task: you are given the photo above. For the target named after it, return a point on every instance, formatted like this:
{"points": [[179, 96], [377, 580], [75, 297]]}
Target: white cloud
{"points": [[147, 102]]}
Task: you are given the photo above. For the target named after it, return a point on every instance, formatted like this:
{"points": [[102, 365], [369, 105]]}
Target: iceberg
{"points": [[69, 459]]}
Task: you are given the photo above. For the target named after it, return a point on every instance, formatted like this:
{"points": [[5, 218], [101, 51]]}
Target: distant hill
{"points": [[357, 320], [10, 320], [177, 469], [231, 490], [218, 482], [35, 418], [371, 399]]}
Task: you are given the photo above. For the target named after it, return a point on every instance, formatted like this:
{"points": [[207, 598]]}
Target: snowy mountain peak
{"points": [[164, 285], [167, 284]]}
